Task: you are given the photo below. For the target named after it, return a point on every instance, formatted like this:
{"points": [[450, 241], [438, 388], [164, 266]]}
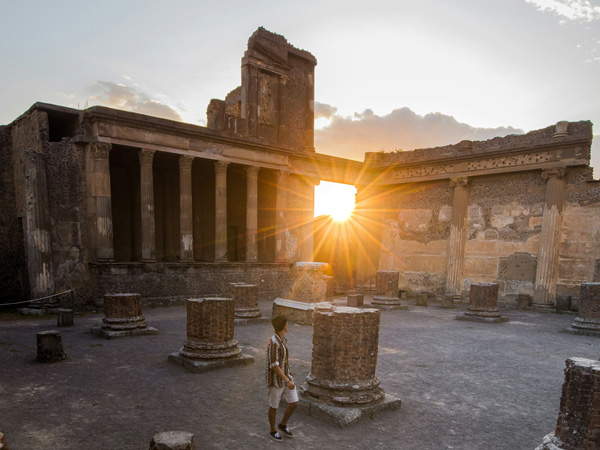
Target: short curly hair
{"points": [[279, 322]]}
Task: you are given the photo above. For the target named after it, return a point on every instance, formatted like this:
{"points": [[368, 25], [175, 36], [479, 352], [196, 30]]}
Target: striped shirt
{"points": [[277, 355]]}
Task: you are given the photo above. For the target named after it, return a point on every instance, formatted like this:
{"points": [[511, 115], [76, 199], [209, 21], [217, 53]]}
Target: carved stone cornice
{"points": [[146, 157], [459, 181], [221, 167], [252, 171], [555, 172], [100, 150], [185, 162]]}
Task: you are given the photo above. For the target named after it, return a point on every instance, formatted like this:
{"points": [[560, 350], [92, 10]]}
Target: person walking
{"points": [[280, 379]]}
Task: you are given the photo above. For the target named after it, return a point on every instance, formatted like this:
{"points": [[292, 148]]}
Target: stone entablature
{"points": [[539, 149]]}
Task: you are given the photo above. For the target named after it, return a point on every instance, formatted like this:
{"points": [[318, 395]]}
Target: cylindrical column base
{"points": [[123, 312], [387, 288], [588, 321], [483, 304], [210, 329], [245, 298], [344, 358]]}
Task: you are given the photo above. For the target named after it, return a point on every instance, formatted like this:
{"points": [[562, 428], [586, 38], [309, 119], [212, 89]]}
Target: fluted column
{"points": [[307, 243], [458, 235], [37, 225], [280, 207], [251, 213], [186, 225], [547, 264], [101, 188], [147, 205], [221, 211]]}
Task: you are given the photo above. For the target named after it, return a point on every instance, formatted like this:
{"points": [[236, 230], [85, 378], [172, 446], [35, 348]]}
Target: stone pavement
{"points": [[463, 385]]}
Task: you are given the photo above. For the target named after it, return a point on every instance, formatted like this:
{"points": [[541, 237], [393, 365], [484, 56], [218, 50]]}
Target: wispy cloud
{"points": [[129, 98], [351, 137], [574, 10]]}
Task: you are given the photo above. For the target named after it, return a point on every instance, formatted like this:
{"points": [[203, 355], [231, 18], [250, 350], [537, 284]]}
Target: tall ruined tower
{"points": [[275, 102]]}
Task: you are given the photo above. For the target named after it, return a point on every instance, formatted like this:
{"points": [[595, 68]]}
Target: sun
{"points": [[334, 199]]}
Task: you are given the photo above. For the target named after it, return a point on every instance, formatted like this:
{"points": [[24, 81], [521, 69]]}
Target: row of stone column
{"points": [[99, 200], [545, 279]]}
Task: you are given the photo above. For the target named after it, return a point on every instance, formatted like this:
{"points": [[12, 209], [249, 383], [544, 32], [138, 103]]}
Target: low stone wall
{"points": [[173, 283]]}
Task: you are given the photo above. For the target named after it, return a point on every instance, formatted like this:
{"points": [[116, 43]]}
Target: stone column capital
{"points": [[252, 171], [459, 181], [146, 156], [185, 162], [555, 172], [282, 176], [221, 167], [100, 149]]}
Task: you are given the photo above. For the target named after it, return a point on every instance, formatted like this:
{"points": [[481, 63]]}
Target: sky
{"points": [[391, 75]]}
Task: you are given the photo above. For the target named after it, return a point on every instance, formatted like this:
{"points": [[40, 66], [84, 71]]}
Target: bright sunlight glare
{"points": [[334, 199]]}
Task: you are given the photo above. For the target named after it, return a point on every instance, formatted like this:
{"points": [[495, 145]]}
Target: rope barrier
{"points": [[38, 299]]}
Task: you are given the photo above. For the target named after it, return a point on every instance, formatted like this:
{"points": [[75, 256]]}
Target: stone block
{"points": [[563, 302], [301, 313], [574, 304], [245, 298], [64, 318], [518, 266], [50, 347], [355, 300], [172, 440], [448, 301], [421, 300], [523, 301]]}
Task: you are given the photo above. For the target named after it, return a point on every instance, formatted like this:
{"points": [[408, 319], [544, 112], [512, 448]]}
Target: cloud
{"points": [[351, 137], [130, 99], [575, 10], [324, 110]]}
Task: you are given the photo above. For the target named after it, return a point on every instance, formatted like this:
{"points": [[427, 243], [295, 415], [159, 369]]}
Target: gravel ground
{"points": [[463, 385]]}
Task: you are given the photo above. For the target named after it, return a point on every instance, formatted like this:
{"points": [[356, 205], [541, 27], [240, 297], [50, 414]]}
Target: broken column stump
{"points": [[448, 301], [309, 291], [578, 424], [173, 440], [421, 300], [49, 347], [588, 320], [342, 387], [123, 317], [245, 299], [387, 291], [210, 343], [356, 300], [65, 318], [483, 304]]}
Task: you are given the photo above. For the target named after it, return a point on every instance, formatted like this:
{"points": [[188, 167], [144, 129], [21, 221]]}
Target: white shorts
{"points": [[276, 393]]}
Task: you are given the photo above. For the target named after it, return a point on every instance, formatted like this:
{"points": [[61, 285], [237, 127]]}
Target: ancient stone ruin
{"points": [[245, 298], [588, 321], [210, 343], [123, 317], [355, 300], [344, 359], [173, 440], [578, 424], [387, 291], [50, 347], [483, 304], [308, 291]]}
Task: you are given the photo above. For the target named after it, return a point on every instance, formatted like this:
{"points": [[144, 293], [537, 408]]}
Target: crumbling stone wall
{"points": [[13, 267]]}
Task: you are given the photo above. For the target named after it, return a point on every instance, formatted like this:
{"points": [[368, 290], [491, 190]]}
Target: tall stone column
{"points": [[186, 224], [307, 244], [251, 213], [458, 236], [309, 124], [147, 205], [547, 264], [280, 207], [37, 225], [221, 211], [101, 192]]}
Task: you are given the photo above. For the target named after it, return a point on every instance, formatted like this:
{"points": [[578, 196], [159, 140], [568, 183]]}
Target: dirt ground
{"points": [[463, 385]]}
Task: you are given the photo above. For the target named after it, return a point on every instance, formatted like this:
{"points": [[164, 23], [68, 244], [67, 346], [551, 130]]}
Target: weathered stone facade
{"points": [[102, 200]]}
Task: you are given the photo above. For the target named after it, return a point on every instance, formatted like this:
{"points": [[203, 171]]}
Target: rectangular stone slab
{"points": [[200, 366], [110, 334]]}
